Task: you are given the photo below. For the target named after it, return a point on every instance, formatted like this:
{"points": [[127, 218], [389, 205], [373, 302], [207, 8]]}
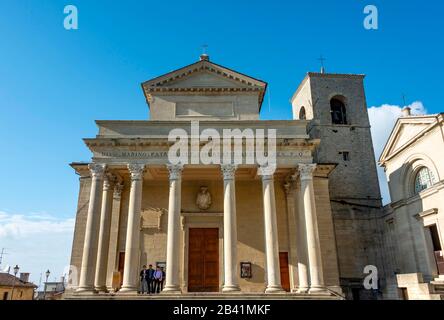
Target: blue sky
{"points": [[54, 83]]}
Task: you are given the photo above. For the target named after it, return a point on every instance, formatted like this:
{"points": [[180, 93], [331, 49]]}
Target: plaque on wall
{"points": [[245, 268], [151, 218]]}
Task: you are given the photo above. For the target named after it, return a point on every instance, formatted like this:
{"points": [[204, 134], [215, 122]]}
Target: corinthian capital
{"points": [[136, 171], [175, 171], [97, 170], [306, 171], [228, 171], [108, 181], [118, 187], [288, 185]]}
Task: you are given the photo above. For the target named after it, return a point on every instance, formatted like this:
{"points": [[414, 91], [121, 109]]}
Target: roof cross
{"points": [[322, 59], [204, 48]]}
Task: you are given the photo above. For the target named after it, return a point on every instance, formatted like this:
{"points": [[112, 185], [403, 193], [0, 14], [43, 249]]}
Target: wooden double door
{"points": [[203, 260]]}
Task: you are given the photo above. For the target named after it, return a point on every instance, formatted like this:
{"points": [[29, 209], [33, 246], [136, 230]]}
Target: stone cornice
{"points": [[422, 195], [81, 168], [203, 66], [324, 75], [201, 89], [163, 142], [336, 75], [207, 123], [426, 213]]}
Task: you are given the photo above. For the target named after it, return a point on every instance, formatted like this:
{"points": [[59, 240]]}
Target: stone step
{"points": [[204, 296], [438, 286]]}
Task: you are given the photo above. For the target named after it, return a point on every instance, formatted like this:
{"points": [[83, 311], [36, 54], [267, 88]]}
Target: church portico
{"points": [[145, 226]]}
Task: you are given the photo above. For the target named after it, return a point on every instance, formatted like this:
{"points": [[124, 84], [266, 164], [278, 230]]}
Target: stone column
{"points": [[301, 241], [172, 285], [132, 245], [231, 283], [290, 194], [311, 225], [86, 282], [114, 233], [271, 236], [105, 223]]}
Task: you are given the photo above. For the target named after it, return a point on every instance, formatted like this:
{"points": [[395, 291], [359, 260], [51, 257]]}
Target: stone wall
{"points": [[79, 229], [19, 293]]}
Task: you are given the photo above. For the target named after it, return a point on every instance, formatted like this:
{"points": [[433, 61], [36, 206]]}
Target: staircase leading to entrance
{"points": [[206, 296]]}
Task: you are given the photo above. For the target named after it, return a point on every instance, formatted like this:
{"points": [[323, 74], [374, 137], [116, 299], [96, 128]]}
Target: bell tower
{"points": [[337, 108]]}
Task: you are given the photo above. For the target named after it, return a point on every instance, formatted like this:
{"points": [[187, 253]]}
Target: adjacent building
{"points": [[13, 288], [413, 223]]}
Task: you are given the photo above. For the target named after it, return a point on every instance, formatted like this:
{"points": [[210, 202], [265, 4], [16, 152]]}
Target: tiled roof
{"points": [[8, 280]]}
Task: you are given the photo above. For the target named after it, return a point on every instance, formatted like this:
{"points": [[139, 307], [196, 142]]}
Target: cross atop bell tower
{"points": [[322, 59]]}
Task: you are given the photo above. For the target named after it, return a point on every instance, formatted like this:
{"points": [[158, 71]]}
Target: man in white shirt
{"points": [[158, 278]]}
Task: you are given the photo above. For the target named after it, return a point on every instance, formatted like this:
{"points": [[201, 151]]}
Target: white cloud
{"points": [[20, 226], [36, 242], [382, 120]]}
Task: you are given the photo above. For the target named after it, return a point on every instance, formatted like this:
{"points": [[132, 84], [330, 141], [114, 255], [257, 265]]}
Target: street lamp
{"points": [[46, 283], [16, 270]]}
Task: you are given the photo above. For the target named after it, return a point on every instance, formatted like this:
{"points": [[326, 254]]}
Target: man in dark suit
{"points": [[144, 280], [163, 278], [150, 279]]}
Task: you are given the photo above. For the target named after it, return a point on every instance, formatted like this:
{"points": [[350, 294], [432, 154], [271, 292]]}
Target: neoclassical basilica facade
{"points": [[308, 229]]}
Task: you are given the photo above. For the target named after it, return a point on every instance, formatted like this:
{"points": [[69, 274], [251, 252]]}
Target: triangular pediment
{"points": [[204, 76], [205, 79], [197, 75], [406, 131]]}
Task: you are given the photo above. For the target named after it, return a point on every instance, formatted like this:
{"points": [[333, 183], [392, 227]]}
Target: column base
{"points": [[85, 291], [274, 289], [128, 291], [317, 290], [111, 289], [230, 289], [171, 290], [302, 290], [102, 289]]}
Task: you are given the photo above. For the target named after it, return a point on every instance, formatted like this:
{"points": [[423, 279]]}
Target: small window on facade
{"points": [[346, 156], [338, 112], [424, 179], [302, 114], [5, 296]]}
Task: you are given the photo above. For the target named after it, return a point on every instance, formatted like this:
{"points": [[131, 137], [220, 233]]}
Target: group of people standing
{"points": [[151, 281]]}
